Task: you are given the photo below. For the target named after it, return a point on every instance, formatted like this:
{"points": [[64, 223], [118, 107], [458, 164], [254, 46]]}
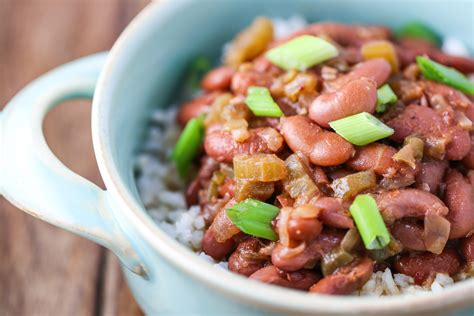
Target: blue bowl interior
{"points": [[156, 57]]}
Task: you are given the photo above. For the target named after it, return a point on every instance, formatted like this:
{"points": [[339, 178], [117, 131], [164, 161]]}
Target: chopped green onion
{"points": [[254, 217], [447, 75], [188, 144], [419, 30], [385, 97], [302, 52], [261, 103], [361, 129], [369, 222]]}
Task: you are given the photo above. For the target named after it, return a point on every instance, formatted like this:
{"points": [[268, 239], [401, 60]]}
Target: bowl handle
{"points": [[36, 181]]}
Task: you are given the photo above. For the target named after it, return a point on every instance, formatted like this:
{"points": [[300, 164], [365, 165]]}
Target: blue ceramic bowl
{"points": [[139, 74]]}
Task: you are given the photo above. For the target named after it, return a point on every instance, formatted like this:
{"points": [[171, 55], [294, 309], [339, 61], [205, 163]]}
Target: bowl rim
{"points": [[233, 286]]}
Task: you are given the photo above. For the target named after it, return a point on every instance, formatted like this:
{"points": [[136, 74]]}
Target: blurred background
{"points": [[45, 270]]}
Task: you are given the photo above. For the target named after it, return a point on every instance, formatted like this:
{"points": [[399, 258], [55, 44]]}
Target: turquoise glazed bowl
{"points": [[139, 74]]}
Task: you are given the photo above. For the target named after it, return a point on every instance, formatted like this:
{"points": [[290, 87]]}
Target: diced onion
{"points": [[259, 167], [436, 232], [283, 226], [306, 211], [288, 252]]}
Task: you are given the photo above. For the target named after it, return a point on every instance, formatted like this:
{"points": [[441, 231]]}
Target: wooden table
{"points": [[45, 270]]}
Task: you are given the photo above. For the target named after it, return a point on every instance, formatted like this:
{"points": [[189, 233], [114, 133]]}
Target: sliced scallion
{"points": [[302, 52], [254, 217], [261, 103], [440, 73], [385, 97], [419, 30], [187, 146], [361, 129], [369, 222]]}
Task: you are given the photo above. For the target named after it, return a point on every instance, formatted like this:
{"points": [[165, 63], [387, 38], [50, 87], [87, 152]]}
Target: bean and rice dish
{"points": [[330, 158]]}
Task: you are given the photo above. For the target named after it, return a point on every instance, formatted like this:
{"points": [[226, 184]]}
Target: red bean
{"points": [[467, 248], [403, 203], [375, 156], [303, 229], [246, 258], [430, 174], [459, 197], [215, 249], [424, 266], [195, 107], [218, 79], [221, 146], [410, 48], [312, 253], [429, 124], [208, 166], [334, 212], [346, 279], [359, 95], [377, 69], [409, 233], [453, 97], [468, 161], [323, 148], [300, 280], [242, 80], [378, 157]]}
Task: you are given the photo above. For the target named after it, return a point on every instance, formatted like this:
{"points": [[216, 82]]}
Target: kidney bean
{"points": [[430, 174], [323, 148], [455, 98], [429, 124], [409, 48], [300, 280], [346, 279], [378, 157], [467, 248], [375, 156], [468, 161], [303, 229], [459, 197], [409, 233], [246, 259], [215, 249], [195, 107], [424, 266], [311, 254], [377, 69], [208, 166], [334, 212], [359, 95], [221, 146], [242, 80], [459, 145], [397, 204], [218, 78]]}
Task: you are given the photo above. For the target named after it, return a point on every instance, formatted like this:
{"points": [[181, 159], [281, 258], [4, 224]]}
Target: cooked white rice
{"points": [[162, 191]]}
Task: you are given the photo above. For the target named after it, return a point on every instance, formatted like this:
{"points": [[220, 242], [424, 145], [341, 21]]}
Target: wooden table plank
{"points": [[45, 270]]}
